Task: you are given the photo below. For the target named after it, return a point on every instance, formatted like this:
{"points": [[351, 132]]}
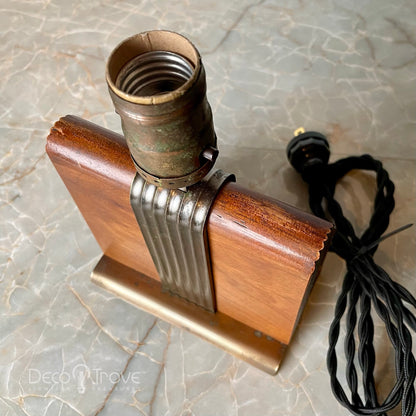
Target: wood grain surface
{"points": [[265, 254]]}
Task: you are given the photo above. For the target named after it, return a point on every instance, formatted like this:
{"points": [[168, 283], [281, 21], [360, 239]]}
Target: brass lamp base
{"points": [[227, 333]]}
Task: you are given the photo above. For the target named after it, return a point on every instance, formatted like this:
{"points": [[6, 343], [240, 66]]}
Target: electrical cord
{"points": [[366, 285]]}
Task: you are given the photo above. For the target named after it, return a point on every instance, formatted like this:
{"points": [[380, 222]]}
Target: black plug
{"points": [[307, 149]]}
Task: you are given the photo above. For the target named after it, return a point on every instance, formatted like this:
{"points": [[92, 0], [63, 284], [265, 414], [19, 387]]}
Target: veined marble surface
{"points": [[345, 68]]}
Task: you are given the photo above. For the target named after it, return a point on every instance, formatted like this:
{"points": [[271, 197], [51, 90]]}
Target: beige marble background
{"points": [[345, 68]]}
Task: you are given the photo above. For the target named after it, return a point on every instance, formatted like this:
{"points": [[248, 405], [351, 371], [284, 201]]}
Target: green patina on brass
{"points": [[170, 133]]}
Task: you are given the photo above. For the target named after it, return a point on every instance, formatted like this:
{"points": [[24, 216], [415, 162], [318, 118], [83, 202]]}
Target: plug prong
{"points": [[298, 131]]}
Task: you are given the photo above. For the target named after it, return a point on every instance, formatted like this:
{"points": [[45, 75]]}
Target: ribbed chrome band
{"points": [[173, 225]]}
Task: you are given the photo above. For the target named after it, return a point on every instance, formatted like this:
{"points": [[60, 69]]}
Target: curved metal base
{"points": [[234, 337]]}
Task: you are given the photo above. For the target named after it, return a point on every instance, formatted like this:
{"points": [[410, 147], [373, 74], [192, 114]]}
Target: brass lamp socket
{"points": [[157, 83]]}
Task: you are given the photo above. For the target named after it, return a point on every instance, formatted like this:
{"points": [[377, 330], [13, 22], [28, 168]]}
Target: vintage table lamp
{"points": [[181, 240]]}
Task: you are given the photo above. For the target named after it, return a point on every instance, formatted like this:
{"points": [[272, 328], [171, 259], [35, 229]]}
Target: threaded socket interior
{"points": [[153, 68], [154, 73]]}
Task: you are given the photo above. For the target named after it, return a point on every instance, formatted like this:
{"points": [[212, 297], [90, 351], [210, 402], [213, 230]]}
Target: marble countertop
{"points": [[346, 69]]}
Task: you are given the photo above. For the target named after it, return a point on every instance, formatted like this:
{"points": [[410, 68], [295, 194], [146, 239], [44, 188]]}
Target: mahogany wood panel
{"points": [[265, 254]]}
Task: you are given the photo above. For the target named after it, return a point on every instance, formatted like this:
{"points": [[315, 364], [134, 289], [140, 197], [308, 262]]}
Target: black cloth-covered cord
{"points": [[366, 287]]}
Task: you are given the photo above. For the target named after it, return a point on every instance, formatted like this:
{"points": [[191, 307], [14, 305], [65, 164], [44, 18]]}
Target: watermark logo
{"points": [[81, 375]]}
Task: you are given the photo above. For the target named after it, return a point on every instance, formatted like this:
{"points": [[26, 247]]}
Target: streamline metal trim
{"points": [[172, 222], [221, 330]]}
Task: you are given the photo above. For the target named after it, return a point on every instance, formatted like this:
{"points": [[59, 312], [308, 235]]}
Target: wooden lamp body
{"points": [[265, 254]]}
